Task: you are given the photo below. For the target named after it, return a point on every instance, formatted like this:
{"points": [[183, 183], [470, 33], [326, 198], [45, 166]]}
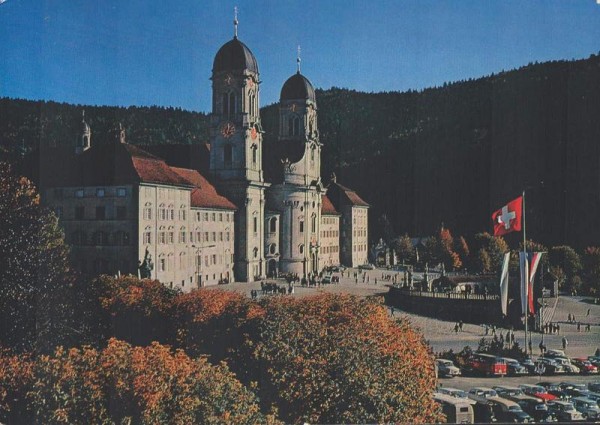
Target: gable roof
{"points": [[111, 164], [204, 194], [327, 207], [341, 195]]}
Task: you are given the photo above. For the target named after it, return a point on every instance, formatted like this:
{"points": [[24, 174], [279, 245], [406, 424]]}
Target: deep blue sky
{"points": [[148, 52]]}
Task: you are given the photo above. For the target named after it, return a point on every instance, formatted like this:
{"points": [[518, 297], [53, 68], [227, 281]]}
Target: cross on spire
{"points": [[298, 60], [235, 21]]}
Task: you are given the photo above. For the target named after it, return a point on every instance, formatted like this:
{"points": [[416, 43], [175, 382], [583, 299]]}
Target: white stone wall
{"points": [[329, 253], [104, 240]]}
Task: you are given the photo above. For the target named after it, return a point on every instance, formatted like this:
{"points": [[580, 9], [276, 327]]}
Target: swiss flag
{"points": [[508, 218]]}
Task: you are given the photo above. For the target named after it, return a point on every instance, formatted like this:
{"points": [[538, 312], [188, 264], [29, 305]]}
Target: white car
{"points": [[446, 368], [566, 364], [482, 394]]}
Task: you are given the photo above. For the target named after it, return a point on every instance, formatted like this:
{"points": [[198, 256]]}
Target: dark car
{"points": [[585, 366], [537, 410], [509, 411], [551, 367], [514, 368], [577, 392], [555, 389], [529, 364], [594, 386]]}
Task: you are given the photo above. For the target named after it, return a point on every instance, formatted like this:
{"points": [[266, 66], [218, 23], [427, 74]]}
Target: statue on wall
{"points": [[145, 268]]}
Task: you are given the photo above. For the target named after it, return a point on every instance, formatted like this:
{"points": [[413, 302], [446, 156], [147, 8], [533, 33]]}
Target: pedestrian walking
{"points": [[460, 325], [578, 326], [588, 328], [487, 329], [588, 312], [565, 343], [456, 328]]}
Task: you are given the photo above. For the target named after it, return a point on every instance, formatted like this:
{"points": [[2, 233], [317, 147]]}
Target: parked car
{"points": [[588, 408], [595, 360], [552, 367], [326, 279], [456, 410], [514, 368], [575, 392], [585, 366], [594, 386], [484, 412], [555, 353], [454, 392], [482, 394], [537, 410], [529, 364], [509, 411], [570, 385], [554, 389], [537, 391], [446, 368], [567, 365], [565, 411], [366, 267]]}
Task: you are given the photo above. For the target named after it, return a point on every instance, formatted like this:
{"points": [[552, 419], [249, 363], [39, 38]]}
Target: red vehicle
{"points": [[486, 364], [584, 365]]}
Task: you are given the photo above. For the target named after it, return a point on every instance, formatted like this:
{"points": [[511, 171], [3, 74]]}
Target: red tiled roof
{"points": [[327, 207], [204, 195], [347, 195]]}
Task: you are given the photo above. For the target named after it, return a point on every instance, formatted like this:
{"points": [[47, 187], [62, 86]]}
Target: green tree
{"points": [[484, 262], [495, 246], [404, 249], [591, 270], [36, 289], [566, 259]]}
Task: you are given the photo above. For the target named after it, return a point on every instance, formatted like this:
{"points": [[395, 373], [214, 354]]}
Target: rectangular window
{"points": [[100, 213], [171, 237], [79, 193], [79, 213], [162, 265], [214, 217], [220, 236], [206, 261], [121, 213], [301, 226], [255, 225], [205, 236], [121, 192], [100, 193], [227, 154], [205, 216], [227, 236], [197, 216], [161, 237], [220, 216], [214, 236], [214, 259]]}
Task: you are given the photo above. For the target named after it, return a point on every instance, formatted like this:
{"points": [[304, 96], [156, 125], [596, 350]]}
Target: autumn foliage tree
{"points": [[138, 311], [340, 359], [123, 384], [326, 358], [36, 290]]}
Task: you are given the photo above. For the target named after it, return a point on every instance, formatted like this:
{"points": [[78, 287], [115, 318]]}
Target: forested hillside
{"points": [[450, 155]]}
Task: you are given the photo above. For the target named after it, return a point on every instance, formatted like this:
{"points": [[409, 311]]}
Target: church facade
{"points": [[126, 210]]}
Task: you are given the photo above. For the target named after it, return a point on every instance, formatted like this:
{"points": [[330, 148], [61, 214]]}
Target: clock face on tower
{"points": [[228, 130]]}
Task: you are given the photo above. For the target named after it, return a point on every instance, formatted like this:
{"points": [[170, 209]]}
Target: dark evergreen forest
{"points": [[450, 154]]}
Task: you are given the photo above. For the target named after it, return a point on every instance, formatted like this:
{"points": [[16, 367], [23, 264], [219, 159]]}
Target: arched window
{"points": [[294, 126], [313, 224], [273, 225], [301, 249], [182, 235], [229, 104], [255, 252], [272, 248], [254, 149], [252, 106]]}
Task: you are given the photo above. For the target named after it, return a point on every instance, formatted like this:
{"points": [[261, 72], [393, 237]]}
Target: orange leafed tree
{"points": [[123, 384]]}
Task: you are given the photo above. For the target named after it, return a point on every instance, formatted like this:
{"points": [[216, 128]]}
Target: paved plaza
{"points": [[440, 333]]}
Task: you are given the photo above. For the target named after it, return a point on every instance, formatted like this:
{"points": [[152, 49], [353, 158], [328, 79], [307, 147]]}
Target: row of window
{"points": [[330, 233], [104, 266], [168, 237], [359, 248], [100, 192], [360, 232], [168, 213], [79, 213], [79, 237], [168, 193], [330, 249], [330, 220]]}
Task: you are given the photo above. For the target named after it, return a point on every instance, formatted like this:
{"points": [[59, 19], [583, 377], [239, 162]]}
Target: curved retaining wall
{"points": [[476, 309]]}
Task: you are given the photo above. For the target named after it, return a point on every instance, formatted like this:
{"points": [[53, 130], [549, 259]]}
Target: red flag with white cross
{"points": [[508, 218]]}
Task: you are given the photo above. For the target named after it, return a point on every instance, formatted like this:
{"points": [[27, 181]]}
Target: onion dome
{"points": [[234, 56], [298, 87]]}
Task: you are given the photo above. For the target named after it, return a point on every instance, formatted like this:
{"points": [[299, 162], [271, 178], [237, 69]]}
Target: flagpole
{"points": [[527, 291]]}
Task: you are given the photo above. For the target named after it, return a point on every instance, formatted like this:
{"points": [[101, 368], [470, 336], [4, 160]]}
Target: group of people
{"points": [[551, 328]]}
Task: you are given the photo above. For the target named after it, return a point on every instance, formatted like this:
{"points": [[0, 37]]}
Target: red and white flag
{"points": [[529, 263], [508, 218]]}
